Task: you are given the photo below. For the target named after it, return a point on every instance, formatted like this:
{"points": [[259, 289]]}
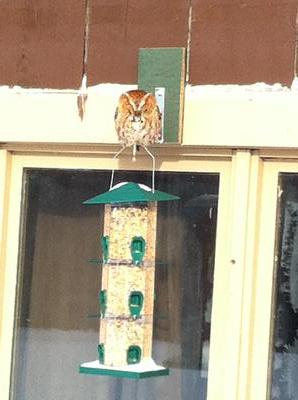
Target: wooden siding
{"points": [[41, 43], [243, 42], [232, 41]]}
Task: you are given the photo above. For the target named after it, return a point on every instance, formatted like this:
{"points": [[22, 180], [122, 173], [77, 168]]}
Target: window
{"points": [[57, 287], [284, 385]]}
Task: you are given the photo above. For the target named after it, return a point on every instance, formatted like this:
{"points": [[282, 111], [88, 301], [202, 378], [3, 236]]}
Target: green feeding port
{"points": [[101, 353], [105, 242], [136, 301], [134, 354], [137, 248], [102, 297]]}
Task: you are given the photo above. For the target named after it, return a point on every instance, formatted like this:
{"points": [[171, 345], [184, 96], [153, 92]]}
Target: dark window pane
{"points": [[58, 289], [285, 339]]}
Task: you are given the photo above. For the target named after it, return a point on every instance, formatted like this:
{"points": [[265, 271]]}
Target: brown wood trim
{"points": [[230, 42], [41, 43], [243, 42]]}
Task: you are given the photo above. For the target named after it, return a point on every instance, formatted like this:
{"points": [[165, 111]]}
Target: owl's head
{"points": [[137, 106]]}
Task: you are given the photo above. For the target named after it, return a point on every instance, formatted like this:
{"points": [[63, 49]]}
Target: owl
{"points": [[138, 119]]}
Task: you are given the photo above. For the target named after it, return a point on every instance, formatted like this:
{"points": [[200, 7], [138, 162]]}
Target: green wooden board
{"points": [[165, 67]]}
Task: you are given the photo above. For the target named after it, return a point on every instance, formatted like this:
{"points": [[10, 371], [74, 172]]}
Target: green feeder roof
{"points": [[129, 192]]}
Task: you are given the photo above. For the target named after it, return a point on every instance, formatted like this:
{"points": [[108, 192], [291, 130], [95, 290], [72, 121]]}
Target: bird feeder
{"points": [[126, 298]]}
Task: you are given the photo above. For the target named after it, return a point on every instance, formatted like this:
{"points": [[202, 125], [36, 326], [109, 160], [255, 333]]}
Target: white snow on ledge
{"points": [[114, 88], [102, 88], [255, 87], [256, 90]]}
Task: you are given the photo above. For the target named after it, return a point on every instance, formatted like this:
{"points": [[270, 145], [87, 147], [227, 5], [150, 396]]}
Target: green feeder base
{"points": [[144, 369]]}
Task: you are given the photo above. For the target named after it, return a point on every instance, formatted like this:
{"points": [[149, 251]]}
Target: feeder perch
{"points": [[126, 299]]}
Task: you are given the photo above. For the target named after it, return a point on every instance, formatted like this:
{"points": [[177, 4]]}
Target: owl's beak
{"points": [[136, 118]]}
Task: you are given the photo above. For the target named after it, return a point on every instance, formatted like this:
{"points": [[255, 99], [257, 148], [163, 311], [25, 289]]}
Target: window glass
{"points": [[56, 321], [284, 385]]}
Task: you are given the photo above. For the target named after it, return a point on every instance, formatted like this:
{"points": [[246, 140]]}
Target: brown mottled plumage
{"points": [[138, 119]]}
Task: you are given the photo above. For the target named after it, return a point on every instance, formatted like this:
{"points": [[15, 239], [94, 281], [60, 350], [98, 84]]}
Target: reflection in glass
{"points": [[58, 289], [285, 340]]}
